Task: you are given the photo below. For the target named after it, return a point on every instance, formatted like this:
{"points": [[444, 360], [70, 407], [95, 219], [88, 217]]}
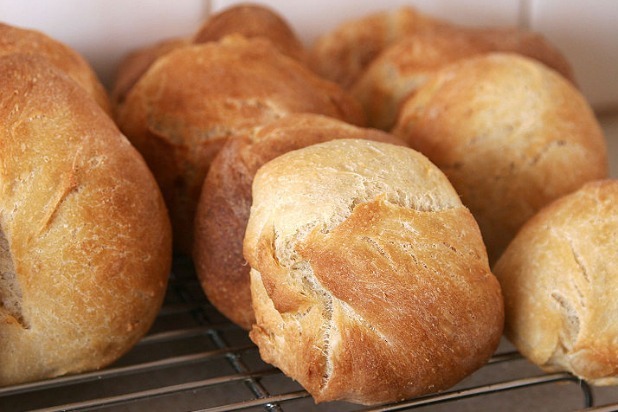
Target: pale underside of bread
{"points": [[364, 290], [85, 241], [559, 278], [223, 209]]}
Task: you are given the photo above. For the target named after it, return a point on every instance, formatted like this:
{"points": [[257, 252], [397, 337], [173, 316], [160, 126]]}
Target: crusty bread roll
{"points": [[342, 54], [223, 208], [136, 63], [248, 20], [511, 135], [403, 67], [85, 242], [191, 100], [31, 42], [369, 278], [251, 21], [560, 276]]}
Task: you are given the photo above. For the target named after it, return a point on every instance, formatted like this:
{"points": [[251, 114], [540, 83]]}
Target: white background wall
{"points": [[104, 30]]}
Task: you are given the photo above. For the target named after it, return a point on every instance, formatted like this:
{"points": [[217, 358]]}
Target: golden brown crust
{"points": [[87, 243], [402, 68], [511, 135], [223, 208], [369, 278], [191, 100], [251, 21], [342, 55], [559, 277], [136, 63], [24, 41]]}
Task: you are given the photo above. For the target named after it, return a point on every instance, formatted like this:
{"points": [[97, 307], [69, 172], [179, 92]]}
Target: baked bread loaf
{"points": [[15, 40], [511, 135], [85, 242], [343, 54], [181, 111], [402, 68], [369, 278], [559, 277], [223, 208], [252, 21]]}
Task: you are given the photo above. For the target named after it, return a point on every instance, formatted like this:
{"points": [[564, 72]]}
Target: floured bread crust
{"points": [[559, 277], [223, 209], [369, 278]]}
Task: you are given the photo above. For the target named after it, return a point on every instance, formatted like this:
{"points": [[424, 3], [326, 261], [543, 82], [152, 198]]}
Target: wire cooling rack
{"points": [[193, 359]]}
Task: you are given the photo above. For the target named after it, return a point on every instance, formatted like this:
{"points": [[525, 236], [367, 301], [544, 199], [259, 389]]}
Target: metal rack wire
{"points": [[195, 360]]}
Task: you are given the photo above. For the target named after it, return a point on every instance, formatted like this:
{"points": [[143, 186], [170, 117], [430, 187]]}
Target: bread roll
{"points": [[343, 54], [247, 20], [369, 278], [403, 67], [14, 40], [510, 134], [191, 100], [85, 243], [252, 21], [223, 208], [136, 63], [560, 276]]}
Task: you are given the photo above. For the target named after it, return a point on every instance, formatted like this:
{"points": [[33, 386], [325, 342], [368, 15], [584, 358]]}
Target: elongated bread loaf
{"points": [[85, 241], [560, 277], [191, 100], [223, 209], [369, 278], [511, 134]]}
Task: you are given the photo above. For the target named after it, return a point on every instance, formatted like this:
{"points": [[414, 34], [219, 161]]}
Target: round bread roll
{"points": [[136, 63], [247, 20], [406, 65], [191, 100], [559, 277], [223, 208], [510, 134], [369, 278], [251, 21], [85, 241], [14, 40], [343, 54]]}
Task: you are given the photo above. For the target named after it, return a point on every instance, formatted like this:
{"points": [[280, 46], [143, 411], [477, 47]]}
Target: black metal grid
{"points": [[193, 359]]}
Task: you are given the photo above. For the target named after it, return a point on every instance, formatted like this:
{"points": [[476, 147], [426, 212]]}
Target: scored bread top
{"points": [[369, 278]]}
